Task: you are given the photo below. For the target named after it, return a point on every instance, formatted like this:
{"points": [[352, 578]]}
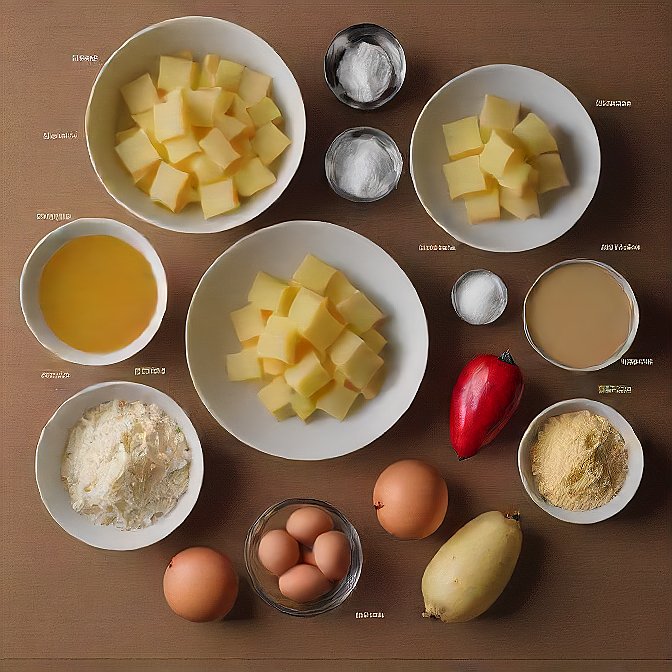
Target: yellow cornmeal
{"points": [[579, 461]]}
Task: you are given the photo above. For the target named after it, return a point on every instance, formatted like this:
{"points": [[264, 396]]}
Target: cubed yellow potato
{"points": [[243, 365], [179, 149], [170, 187], [303, 406], [483, 206], [344, 347], [336, 400], [277, 398], [273, 367], [339, 288], [146, 181], [307, 376], [534, 134], [253, 177], [203, 104], [243, 146], [176, 73], [208, 75], [498, 155], [140, 95], [360, 312], [248, 322], [551, 172], [374, 386], [218, 197], [314, 274], [463, 138], [267, 292], [170, 118], [228, 75], [522, 207], [499, 113], [238, 110], [314, 321], [204, 169], [374, 339], [253, 86], [120, 136], [138, 154], [355, 359], [464, 176], [278, 340], [269, 143], [230, 126], [265, 111], [516, 176], [145, 120], [218, 148]]}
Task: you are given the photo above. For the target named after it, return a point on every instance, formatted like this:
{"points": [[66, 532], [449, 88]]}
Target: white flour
{"points": [[365, 72]]}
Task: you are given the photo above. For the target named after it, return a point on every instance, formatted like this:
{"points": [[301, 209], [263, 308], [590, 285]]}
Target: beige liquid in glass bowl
{"points": [[580, 315]]}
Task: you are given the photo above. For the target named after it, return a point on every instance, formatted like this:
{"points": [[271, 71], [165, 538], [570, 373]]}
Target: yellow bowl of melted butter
{"points": [[93, 291]]}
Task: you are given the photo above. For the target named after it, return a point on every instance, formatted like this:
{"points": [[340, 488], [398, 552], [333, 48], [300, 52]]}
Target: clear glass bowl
{"points": [[266, 585]]}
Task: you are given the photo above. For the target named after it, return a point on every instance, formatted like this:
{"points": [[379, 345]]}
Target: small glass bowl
{"points": [[498, 281], [362, 132], [373, 34], [266, 585]]}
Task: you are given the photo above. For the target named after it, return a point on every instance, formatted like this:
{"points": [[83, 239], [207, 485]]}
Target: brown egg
{"points": [[307, 556], [200, 584], [332, 554], [411, 499], [307, 523], [304, 583], [278, 551]]}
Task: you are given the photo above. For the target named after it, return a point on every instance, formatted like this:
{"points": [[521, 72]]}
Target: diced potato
{"points": [[303, 406], [248, 322], [336, 400], [277, 398], [499, 113], [374, 339], [264, 111], [269, 142], [179, 149], [355, 359], [551, 172], [228, 75], [463, 138], [253, 86], [522, 207], [243, 365], [534, 134], [307, 376], [267, 292], [170, 119], [374, 386], [339, 288], [238, 110], [498, 155], [483, 206], [137, 153], [218, 197], [344, 347], [204, 169], [243, 146], [230, 126], [146, 181], [170, 187], [278, 340], [208, 76], [140, 95], [176, 73], [314, 321], [516, 176], [253, 177], [120, 136], [145, 120], [359, 311], [218, 148], [273, 367], [464, 176], [202, 105], [314, 274]]}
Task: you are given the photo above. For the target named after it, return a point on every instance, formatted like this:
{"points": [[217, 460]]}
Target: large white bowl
{"points": [[139, 54], [30, 288], [635, 461], [55, 496], [557, 106], [278, 250]]}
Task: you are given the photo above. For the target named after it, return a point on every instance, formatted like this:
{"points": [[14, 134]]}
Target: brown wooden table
{"points": [[582, 598]]}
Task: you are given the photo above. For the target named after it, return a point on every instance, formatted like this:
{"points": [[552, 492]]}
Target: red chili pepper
{"points": [[485, 396]]}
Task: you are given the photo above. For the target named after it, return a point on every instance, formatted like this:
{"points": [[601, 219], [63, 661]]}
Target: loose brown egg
{"points": [[278, 551], [332, 554], [200, 584], [307, 523], [304, 583], [411, 499]]}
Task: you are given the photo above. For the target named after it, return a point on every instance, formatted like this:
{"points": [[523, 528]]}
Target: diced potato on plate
{"points": [[277, 398], [278, 340], [218, 198], [551, 172], [464, 176], [534, 134], [253, 86], [138, 154], [170, 187], [336, 400], [522, 207], [176, 73], [218, 148], [170, 118], [253, 177], [484, 205], [140, 95], [228, 75], [498, 155], [264, 111], [307, 376], [359, 311], [269, 143], [208, 74], [266, 291], [314, 274], [314, 321], [243, 365], [248, 322], [463, 138], [181, 148], [499, 113]]}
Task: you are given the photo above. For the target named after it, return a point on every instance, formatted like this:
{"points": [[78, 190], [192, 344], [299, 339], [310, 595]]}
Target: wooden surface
{"points": [[582, 598]]}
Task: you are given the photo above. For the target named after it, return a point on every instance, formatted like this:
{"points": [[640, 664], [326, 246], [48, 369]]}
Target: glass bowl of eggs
{"points": [[303, 556]]}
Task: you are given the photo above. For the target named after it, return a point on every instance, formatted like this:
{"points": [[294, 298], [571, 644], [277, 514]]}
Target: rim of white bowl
{"points": [[67, 352]]}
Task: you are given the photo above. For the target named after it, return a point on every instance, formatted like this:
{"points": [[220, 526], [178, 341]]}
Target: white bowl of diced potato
{"points": [[306, 340], [505, 158], [195, 125]]}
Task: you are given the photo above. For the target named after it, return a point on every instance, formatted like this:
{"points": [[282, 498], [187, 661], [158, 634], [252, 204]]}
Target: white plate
{"points": [[635, 461], [49, 454], [570, 124], [139, 54], [278, 250]]}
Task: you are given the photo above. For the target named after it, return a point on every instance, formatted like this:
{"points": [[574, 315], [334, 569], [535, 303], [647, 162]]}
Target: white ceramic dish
{"points": [[278, 250], [635, 461], [30, 284], [557, 106], [49, 454], [139, 54]]}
